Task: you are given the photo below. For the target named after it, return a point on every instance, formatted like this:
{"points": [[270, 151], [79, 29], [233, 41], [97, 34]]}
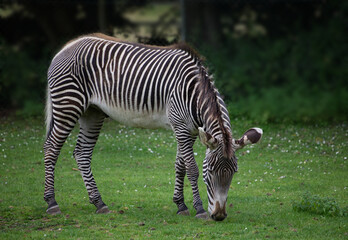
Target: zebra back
{"points": [[140, 80]]}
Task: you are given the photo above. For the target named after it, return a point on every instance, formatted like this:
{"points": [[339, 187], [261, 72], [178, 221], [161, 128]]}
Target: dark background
{"points": [[273, 61]]}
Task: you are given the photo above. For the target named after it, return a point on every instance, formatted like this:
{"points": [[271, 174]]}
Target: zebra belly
{"points": [[140, 119]]}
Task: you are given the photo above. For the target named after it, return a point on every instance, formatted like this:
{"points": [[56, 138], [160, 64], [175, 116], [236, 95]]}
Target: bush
{"points": [[23, 80], [323, 206], [299, 78]]}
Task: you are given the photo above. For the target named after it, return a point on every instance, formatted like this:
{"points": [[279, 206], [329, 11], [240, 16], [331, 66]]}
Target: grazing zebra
{"points": [[96, 76]]}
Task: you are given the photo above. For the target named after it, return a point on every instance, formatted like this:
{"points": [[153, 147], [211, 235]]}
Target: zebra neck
{"points": [[215, 120], [212, 111]]}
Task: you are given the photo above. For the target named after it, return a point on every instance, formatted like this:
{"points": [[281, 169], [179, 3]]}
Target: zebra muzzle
{"points": [[219, 213]]}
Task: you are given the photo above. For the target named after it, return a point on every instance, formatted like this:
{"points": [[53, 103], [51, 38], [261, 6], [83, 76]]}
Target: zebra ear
{"points": [[207, 139], [251, 136]]}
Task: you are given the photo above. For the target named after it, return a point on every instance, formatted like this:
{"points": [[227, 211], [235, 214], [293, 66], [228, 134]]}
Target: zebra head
{"points": [[219, 168]]}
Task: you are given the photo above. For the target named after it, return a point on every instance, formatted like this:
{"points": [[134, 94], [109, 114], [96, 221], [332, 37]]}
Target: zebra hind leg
{"points": [[57, 135], [90, 125], [52, 150]]}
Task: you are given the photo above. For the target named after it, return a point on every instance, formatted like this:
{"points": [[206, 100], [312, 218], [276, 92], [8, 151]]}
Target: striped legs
{"points": [[52, 150], [180, 172], [185, 163], [90, 125], [63, 123]]}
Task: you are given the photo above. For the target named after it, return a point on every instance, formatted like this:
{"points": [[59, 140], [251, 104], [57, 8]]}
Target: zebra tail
{"points": [[48, 113]]}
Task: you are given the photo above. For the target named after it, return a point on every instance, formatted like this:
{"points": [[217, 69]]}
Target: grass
{"points": [[134, 170]]}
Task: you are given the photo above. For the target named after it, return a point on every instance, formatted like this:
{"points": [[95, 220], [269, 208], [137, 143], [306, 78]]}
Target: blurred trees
{"points": [[32, 31], [52, 22], [276, 60], [272, 60]]}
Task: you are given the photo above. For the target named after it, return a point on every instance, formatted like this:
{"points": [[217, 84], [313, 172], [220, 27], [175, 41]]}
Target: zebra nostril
{"points": [[219, 216]]}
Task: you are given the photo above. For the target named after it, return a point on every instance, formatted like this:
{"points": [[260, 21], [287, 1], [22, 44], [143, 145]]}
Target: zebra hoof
{"points": [[184, 213], [103, 210], [54, 210], [203, 216]]}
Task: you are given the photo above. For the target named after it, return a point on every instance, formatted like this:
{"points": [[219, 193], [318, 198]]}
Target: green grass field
{"points": [[134, 170]]}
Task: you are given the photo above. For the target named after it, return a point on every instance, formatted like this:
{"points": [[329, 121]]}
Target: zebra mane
{"points": [[187, 48], [211, 101]]}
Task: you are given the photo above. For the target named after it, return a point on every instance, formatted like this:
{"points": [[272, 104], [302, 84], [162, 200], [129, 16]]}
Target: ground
{"points": [[134, 170]]}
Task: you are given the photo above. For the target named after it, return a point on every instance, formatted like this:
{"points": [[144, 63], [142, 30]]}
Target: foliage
{"points": [[31, 33], [323, 206], [23, 79], [292, 78], [273, 62]]}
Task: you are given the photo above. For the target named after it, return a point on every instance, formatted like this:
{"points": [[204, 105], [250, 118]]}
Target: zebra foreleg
{"points": [[90, 125], [178, 198], [185, 149], [192, 175]]}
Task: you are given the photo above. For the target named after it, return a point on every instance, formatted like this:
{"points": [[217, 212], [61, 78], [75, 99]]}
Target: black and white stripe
{"points": [[96, 76]]}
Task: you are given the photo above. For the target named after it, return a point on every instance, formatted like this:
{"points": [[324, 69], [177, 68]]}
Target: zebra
{"points": [[96, 76]]}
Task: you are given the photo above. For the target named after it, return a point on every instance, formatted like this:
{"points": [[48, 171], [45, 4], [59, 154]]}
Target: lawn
{"points": [[134, 170]]}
